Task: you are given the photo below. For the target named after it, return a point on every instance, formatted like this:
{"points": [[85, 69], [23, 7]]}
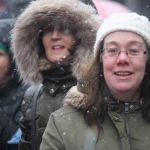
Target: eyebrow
{"points": [[139, 43]]}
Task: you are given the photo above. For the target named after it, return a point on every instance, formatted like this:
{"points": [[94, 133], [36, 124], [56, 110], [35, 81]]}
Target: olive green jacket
{"points": [[124, 127]]}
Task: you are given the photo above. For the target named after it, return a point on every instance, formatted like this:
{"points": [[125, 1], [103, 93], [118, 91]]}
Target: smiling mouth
{"points": [[123, 73], [57, 47]]}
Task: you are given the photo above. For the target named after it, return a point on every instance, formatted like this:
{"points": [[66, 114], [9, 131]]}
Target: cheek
{"points": [[45, 41], [4, 63], [46, 45], [107, 65], [70, 41], [141, 69], [4, 66], [107, 73], [140, 65]]}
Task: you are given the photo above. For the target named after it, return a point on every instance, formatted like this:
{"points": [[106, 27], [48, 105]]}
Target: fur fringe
{"points": [[75, 98]]}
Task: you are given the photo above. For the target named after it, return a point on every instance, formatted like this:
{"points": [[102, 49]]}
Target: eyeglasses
{"points": [[113, 52]]}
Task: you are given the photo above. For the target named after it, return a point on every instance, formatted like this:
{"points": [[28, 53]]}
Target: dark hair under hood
{"points": [[11, 79], [72, 13]]}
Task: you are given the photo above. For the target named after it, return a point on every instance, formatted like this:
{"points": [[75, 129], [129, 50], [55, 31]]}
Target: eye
{"points": [[112, 51], [134, 51], [47, 30]]}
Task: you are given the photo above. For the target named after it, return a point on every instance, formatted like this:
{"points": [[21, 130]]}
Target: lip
{"points": [[57, 47], [123, 74]]}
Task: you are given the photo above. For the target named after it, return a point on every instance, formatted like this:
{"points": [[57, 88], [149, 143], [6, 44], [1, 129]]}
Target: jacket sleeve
{"points": [[10, 114], [52, 139], [7, 127], [25, 121]]}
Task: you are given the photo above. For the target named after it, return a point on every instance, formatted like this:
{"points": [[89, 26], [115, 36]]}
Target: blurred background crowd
{"points": [[12, 8]]}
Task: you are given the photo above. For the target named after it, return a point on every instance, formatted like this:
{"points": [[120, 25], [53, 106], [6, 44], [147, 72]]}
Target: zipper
{"points": [[127, 117]]}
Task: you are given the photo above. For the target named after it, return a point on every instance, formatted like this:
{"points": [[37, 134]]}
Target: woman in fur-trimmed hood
{"points": [[26, 34], [50, 40]]}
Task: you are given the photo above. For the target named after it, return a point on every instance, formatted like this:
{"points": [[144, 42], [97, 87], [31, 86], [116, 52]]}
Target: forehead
{"points": [[124, 37]]}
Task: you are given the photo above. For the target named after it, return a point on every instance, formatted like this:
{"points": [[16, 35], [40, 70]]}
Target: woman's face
{"points": [[57, 44], [4, 63], [124, 75]]}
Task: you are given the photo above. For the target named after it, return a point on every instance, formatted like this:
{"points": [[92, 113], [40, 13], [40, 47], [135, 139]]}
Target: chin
{"points": [[123, 90], [55, 60]]}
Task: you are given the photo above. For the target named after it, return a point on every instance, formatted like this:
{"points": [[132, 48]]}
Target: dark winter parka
{"points": [[59, 78], [11, 92]]}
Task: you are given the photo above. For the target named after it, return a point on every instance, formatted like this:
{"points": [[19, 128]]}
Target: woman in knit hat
{"points": [[112, 110], [50, 40], [11, 88]]}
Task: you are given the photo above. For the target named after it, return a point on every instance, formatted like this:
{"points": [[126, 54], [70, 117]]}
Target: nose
{"points": [[123, 58], [55, 35]]}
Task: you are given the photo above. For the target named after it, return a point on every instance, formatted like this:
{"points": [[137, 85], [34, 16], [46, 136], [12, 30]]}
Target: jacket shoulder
{"points": [[29, 93], [75, 98], [65, 110], [28, 97]]}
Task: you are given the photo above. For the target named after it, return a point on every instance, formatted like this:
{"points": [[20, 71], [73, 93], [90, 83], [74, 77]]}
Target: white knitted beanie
{"points": [[126, 22]]}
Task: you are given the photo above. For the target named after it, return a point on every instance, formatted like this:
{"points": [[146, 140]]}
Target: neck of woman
{"points": [[127, 96]]}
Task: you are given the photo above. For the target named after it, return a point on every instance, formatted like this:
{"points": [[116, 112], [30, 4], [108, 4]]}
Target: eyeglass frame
{"points": [[127, 53]]}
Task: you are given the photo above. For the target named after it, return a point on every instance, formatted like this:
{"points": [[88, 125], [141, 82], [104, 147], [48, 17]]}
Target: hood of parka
{"points": [[25, 34]]}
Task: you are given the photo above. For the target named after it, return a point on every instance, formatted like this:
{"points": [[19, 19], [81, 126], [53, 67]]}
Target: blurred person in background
{"points": [[13, 8], [17, 6], [50, 40], [112, 110], [11, 88], [5, 10]]}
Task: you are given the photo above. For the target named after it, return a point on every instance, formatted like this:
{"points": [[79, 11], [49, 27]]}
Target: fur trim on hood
{"points": [[75, 98], [25, 35]]}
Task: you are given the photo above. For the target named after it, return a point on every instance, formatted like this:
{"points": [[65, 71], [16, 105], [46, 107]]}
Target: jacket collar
{"points": [[53, 88], [60, 82], [76, 97]]}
